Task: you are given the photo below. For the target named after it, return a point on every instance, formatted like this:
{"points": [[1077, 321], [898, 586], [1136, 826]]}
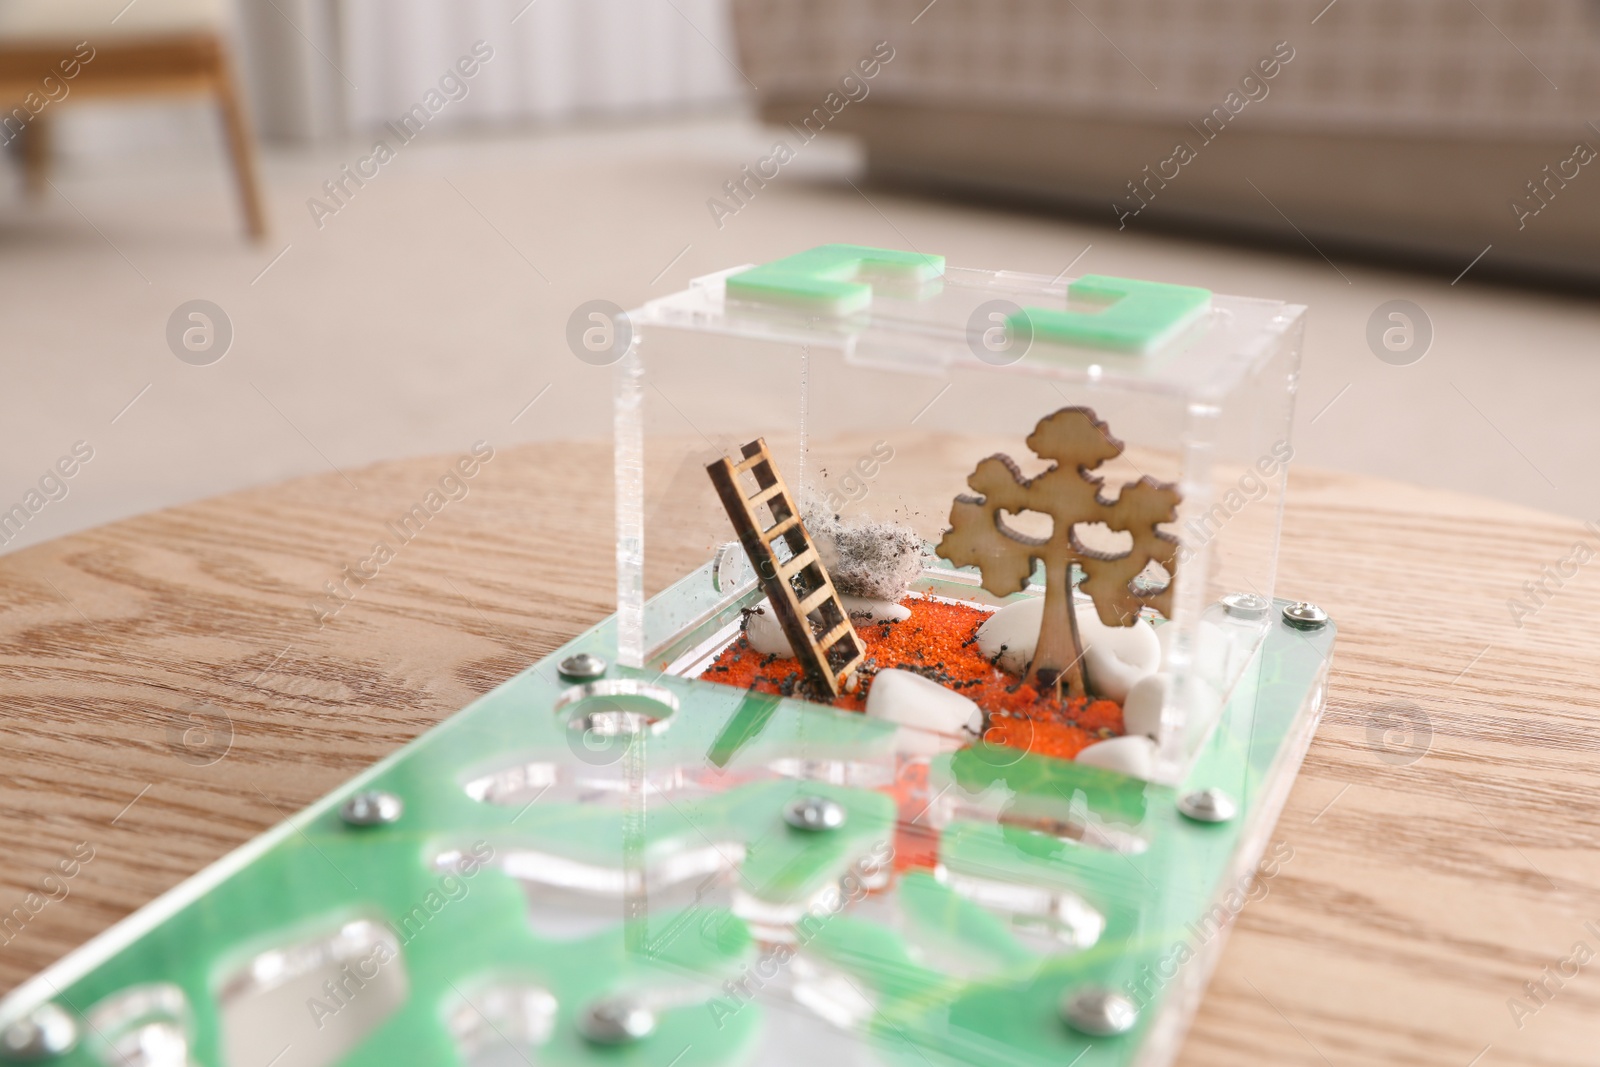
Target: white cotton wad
{"points": [[874, 560]]}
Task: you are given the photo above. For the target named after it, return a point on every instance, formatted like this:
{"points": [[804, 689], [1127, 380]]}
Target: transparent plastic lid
{"points": [[882, 386]]}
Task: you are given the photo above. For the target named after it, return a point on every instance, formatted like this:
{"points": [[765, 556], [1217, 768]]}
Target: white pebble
{"points": [[1115, 657], [1217, 657], [1212, 651], [766, 635], [1011, 634], [1133, 755], [909, 699], [858, 607], [1141, 712], [913, 742]]}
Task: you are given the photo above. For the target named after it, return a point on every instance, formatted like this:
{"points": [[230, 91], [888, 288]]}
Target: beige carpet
{"points": [[431, 309]]}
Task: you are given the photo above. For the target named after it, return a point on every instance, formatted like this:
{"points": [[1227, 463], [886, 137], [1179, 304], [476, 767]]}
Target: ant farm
{"points": [[946, 705]]}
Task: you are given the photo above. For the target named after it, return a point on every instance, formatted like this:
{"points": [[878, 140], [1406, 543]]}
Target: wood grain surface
{"points": [[168, 690]]}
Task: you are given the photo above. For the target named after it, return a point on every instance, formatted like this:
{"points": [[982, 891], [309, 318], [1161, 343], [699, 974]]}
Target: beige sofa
{"points": [[1421, 129]]}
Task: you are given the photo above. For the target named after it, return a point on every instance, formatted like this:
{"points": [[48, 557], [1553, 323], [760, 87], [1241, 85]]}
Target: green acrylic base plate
{"points": [[606, 875]]}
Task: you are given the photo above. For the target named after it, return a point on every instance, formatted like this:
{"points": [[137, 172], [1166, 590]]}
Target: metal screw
{"points": [[42, 1034], [1304, 616], [1099, 1012], [1245, 605], [584, 667], [814, 813], [372, 808], [619, 1021], [1208, 805]]}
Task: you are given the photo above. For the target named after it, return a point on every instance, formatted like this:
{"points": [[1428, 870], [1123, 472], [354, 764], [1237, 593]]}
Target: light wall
{"points": [[351, 65]]}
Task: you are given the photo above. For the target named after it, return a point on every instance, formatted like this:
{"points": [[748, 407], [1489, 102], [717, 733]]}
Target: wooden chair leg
{"points": [[241, 147], [36, 155]]}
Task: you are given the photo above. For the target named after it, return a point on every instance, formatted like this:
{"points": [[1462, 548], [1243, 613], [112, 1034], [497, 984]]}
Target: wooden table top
{"points": [[1434, 872]]}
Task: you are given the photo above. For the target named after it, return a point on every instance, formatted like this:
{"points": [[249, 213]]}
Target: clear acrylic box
{"points": [[882, 414]]}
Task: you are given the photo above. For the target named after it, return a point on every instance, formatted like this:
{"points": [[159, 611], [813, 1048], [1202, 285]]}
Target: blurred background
{"points": [[245, 241]]}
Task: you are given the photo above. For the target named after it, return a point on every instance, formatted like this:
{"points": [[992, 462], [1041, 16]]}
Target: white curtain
{"points": [[552, 58]]}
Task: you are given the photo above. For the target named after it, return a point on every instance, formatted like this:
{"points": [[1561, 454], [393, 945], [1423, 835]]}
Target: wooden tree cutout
{"points": [[1078, 442]]}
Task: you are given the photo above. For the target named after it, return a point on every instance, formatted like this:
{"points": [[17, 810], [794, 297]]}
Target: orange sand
{"points": [[939, 641]]}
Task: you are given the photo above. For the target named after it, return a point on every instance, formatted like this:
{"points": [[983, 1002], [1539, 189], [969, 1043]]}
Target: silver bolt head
{"points": [[42, 1034], [1208, 805], [584, 667], [372, 808], [618, 1021], [1304, 616], [1245, 605], [1099, 1012], [814, 814]]}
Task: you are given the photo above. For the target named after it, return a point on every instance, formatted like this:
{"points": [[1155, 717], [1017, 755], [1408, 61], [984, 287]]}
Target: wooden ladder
{"points": [[798, 587]]}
